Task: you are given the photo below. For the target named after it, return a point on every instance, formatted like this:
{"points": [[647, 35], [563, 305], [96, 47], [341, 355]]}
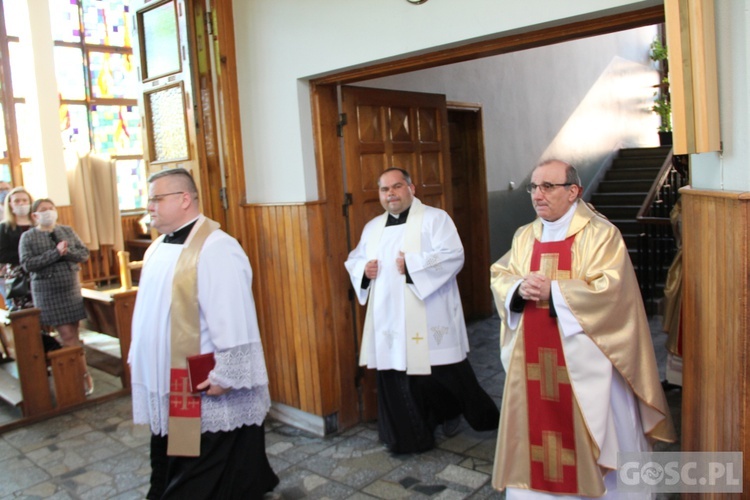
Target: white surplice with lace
{"points": [[229, 329]]}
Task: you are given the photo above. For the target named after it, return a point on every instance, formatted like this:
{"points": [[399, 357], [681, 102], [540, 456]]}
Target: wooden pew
{"points": [[32, 362], [111, 312]]}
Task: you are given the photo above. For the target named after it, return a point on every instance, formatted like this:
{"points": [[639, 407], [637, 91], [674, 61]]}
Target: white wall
{"points": [[282, 43], [591, 95], [730, 170], [579, 101]]}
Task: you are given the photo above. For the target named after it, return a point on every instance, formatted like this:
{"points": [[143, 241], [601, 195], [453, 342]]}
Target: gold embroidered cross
{"points": [[416, 338], [548, 266], [553, 456], [548, 374]]}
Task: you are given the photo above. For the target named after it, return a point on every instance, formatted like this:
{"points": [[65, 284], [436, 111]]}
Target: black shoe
{"points": [[451, 426], [667, 386]]}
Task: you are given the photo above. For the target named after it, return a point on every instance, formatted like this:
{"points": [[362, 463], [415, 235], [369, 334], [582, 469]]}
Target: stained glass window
{"points": [[112, 75], [131, 189], [14, 80], [116, 130], [98, 86]]}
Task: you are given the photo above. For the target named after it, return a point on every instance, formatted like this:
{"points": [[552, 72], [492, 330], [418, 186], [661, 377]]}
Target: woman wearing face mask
{"points": [[52, 253], [16, 221]]}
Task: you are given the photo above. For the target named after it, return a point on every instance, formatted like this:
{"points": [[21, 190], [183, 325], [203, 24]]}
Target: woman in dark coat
{"points": [[16, 221], [52, 254]]}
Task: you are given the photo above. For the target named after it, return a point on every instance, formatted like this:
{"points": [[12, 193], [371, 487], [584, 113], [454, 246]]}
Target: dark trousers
{"points": [[411, 406], [231, 465]]}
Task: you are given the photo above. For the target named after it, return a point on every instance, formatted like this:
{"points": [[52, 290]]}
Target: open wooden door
{"points": [[385, 129], [166, 98]]}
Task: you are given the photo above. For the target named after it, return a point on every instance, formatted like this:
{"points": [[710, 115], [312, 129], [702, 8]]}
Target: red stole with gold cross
{"points": [[549, 393], [184, 407]]}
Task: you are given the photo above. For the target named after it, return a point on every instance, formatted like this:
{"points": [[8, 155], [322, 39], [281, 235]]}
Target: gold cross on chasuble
{"points": [[553, 456], [549, 394], [549, 265], [548, 373]]}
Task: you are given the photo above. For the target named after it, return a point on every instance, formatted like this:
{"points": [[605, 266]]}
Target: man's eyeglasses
{"points": [[545, 187], [158, 197]]}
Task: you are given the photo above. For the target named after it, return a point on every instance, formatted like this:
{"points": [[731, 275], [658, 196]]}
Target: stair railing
{"points": [[656, 243]]}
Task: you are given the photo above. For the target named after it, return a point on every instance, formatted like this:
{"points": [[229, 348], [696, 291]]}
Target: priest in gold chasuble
{"points": [[195, 297], [582, 383]]}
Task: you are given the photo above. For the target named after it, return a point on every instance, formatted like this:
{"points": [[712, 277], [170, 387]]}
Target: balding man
{"points": [[582, 383], [195, 297]]}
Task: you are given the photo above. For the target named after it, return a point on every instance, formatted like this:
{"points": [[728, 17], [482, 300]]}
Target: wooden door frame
{"points": [[227, 90], [480, 306], [328, 154]]}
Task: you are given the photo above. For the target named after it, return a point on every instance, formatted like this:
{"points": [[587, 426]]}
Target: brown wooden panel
{"points": [[716, 343], [292, 292], [329, 224]]}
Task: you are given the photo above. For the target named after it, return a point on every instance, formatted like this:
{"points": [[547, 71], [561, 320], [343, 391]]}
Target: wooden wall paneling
{"points": [[322, 321], [279, 319], [294, 303], [331, 229], [296, 262], [716, 343]]}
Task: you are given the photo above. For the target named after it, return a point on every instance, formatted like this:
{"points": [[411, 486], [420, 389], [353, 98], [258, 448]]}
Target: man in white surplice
{"points": [[231, 462], [415, 336]]}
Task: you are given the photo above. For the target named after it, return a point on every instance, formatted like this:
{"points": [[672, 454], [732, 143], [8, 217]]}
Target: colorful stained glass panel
{"points": [[161, 41], [132, 190], [106, 22], [112, 75], [168, 129], [66, 26], [74, 123], [69, 71], [117, 130]]}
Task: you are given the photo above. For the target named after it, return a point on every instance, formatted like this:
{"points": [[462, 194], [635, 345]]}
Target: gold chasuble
{"points": [[548, 440], [184, 436], [549, 395]]}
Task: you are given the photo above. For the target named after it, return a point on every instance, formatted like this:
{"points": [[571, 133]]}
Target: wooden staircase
{"points": [[624, 189]]}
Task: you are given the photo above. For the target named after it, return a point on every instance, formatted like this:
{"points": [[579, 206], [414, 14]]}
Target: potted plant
{"points": [[662, 104]]}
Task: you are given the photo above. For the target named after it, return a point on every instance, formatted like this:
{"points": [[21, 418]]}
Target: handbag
{"points": [[18, 284]]}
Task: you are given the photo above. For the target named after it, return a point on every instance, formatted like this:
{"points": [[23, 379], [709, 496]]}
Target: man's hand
{"points": [[213, 390], [535, 287], [401, 263], [371, 269]]}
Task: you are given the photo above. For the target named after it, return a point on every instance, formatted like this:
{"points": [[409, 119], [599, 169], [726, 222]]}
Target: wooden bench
{"points": [[111, 312], [33, 375]]}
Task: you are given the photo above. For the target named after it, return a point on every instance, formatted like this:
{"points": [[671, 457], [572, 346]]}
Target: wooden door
{"points": [[470, 212], [166, 98], [386, 129]]}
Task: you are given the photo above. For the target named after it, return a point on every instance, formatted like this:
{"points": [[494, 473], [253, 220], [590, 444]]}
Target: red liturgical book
{"points": [[198, 368]]}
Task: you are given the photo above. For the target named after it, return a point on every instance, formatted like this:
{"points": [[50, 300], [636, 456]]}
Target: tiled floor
{"points": [[98, 453]]}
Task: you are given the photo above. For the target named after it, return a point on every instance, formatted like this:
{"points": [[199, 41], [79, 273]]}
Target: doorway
{"points": [[329, 155]]}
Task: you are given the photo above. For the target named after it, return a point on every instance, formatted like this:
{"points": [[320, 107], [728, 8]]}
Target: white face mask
{"points": [[22, 210], [46, 218]]}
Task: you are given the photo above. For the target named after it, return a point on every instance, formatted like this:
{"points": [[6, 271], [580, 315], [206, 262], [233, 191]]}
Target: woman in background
{"points": [[16, 221], [52, 253]]}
